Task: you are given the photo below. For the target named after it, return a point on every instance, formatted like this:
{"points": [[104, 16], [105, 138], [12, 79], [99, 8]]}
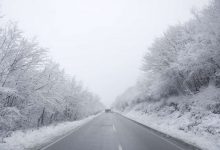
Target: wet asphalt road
{"points": [[111, 131]]}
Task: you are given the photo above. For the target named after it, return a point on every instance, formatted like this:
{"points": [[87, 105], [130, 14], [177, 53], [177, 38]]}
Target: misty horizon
{"points": [[101, 43]]}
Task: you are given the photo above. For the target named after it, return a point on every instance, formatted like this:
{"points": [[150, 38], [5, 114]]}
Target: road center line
{"points": [[114, 129], [120, 147]]}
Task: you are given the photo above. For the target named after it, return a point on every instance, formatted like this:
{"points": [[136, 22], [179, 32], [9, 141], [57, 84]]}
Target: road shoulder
{"points": [[58, 138], [172, 140]]}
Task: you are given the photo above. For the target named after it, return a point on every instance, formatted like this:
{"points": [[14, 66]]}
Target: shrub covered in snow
{"points": [[38, 138], [182, 80], [34, 91], [190, 118]]}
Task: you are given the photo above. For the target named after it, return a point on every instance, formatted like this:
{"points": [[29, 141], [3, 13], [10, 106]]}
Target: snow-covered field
{"points": [[30, 139], [196, 124]]}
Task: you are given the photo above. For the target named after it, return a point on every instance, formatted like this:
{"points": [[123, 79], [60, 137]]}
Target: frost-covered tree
{"points": [[34, 91], [184, 60]]}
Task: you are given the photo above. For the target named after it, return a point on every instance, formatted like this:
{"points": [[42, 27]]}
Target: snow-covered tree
{"points": [[34, 91], [183, 61]]}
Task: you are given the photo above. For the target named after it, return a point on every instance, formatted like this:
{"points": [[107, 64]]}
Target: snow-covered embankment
{"points": [[193, 119], [30, 139]]}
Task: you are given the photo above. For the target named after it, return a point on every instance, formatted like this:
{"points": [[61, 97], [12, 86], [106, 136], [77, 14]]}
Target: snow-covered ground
{"points": [[189, 118], [29, 139]]}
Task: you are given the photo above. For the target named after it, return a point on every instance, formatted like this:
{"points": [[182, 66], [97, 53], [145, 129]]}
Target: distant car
{"points": [[107, 110]]}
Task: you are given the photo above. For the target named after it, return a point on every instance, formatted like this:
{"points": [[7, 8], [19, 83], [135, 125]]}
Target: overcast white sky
{"points": [[101, 42]]}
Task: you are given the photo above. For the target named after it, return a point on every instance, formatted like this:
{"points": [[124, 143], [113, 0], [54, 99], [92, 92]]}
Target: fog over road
{"points": [[111, 131]]}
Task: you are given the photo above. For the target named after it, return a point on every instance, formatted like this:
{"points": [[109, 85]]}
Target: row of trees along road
{"points": [[34, 91]]}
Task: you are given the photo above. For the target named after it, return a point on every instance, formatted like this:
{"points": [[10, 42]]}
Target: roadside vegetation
{"points": [[34, 91], [179, 90]]}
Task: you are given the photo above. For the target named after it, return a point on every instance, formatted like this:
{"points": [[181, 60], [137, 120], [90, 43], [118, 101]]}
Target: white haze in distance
{"points": [[101, 42]]}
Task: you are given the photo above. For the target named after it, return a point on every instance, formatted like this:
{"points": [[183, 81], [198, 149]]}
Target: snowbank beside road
{"points": [[206, 142], [194, 119], [30, 139]]}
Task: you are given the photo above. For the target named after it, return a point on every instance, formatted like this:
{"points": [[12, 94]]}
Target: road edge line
{"points": [[64, 136], [166, 137]]}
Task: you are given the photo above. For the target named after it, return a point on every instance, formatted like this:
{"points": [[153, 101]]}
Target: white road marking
{"points": [[120, 147], [71, 132], [161, 137], [151, 132], [77, 128], [114, 129]]}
